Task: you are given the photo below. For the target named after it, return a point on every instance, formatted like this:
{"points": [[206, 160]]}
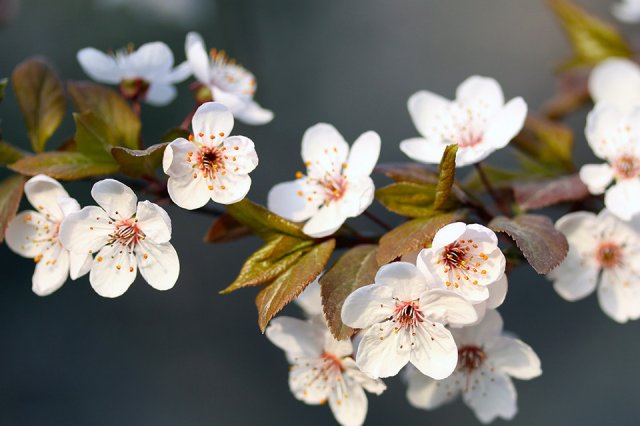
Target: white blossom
{"points": [[211, 165], [147, 72], [310, 300], [35, 234], [627, 11], [403, 317], [478, 120], [603, 252], [322, 368], [616, 82], [127, 235], [229, 82], [614, 136], [487, 360], [336, 186]]}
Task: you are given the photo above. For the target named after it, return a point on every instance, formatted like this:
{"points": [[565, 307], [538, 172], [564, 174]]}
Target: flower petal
{"points": [[242, 155], [99, 66], [405, 280], [379, 353], [448, 234], [154, 221], [158, 264], [150, 61], [483, 90], [619, 295], [426, 109], [289, 200], [442, 306], [86, 231], [514, 357], [324, 150], [310, 300], [616, 81], [307, 383], [435, 353], [363, 155], [626, 11], [375, 386], [358, 197], [423, 150], [113, 271], [367, 306], [178, 74], [326, 221], [116, 198], [244, 108], [602, 123], [51, 272], [174, 160], [79, 264], [211, 119], [198, 58], [348, 402], [296, 337], [597, 177], [492, 395], [160, 94], [428, 394], [229, 188], [505, 124], [623, 199], [572, 279], [485, 331], [188, 192], [497, 292], [25, 232], [44, 193]]}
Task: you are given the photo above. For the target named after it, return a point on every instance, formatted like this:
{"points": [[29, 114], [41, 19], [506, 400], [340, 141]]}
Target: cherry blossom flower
{"points": [[310, 300], [127, 235], [487, 360], [615, 137], [211, 165], [602, 254], [478, 121], [464, 259], [146, 73], [35, 234], [627, 11], [230, 83], [322, 368], [616, 82], [337, 183], [403, 315]]}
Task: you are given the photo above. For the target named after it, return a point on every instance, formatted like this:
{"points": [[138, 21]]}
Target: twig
{"points": [[372, 217], [492, 192]]}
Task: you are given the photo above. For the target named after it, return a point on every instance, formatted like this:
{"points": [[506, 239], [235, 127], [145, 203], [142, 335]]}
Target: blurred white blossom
{"points": [[212, 165], [36, 234], [127, 235], [627, 11], [478, 120], [487, 360], [336, 186], [616, 83]]}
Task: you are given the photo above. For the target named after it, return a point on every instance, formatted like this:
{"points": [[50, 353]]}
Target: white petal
{"points": [[188, 192], [363, 155], [367, 306], [616, 81], [307, 383], [160, 94], [68, 205], [79, 264], [296, 337], [379, 354], [154, 221], [150, 61], [113, 271], [579, 228], [492, 395], [423, 150], [442, 306], [325, 222], [289, 200], [310, 299], [406, 281], [86, 231], [514, 357], [427, 393], [178, 74], [211, 119], [358, 197], [497, 292], [573, 280], [174, 160], [375, 386], [99, 66], [623, 199], [619, 295], [626, 11], [198, 58], [158, 264], [116, 198], [324, 149], [248, 111], [597, 177], [230, 188], [25, 231], [44, 193], [435, 353], [51, 271], [486, 330], [506, 123], [448, 234], [424, 109], [242, 155], [484, 90], [348, 403]]}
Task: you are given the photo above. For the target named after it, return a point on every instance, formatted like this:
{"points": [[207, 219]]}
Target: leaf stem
{"points": [[375, 219], [491, 190]]}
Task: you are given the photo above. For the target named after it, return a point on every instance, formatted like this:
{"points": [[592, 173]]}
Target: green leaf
{"points": [[290, 284], [408, 172], [263, 222], [108, 107], [447, 175], [93, 137], [542, 245], [270, 261], [225, 229], [174, 134], [9, 153], [412, 236], [592, 39], [40, 96], [10, 195], [540, 194], [3, 87], [548, 143], [410, 199], [63, 165], [356, 268], [138, 163]]}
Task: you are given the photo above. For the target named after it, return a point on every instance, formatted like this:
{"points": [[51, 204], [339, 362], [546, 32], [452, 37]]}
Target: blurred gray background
{"points": [[191, 357]]}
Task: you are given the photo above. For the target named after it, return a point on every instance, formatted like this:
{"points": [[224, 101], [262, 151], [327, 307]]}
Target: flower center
{"points": [[609, 255], [627, 167], [468, 138], [331, 364], [127, 233], [470, 358], [208, 160], [334, 188], [407, 314], [461, 261], [134, 89]]}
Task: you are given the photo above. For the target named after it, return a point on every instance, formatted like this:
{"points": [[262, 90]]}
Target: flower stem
{"points": [[372, 217], [491, 190]]}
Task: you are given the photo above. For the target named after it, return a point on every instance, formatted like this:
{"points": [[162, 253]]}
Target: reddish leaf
{"points": [[407, 172], [10, 195], [63, 165], [536, 195], [225, 229], [139, 162]]}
